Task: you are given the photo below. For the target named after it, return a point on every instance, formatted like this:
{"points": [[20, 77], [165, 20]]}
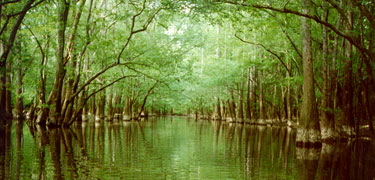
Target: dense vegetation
{"points": [[309, 62]]}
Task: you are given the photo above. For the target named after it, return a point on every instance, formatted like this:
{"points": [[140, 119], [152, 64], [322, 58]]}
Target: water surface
{"points": [[175, 148]]}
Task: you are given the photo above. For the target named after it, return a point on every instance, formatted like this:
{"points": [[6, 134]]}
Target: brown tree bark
{"points": [[248, 100], [92, 106], [100, 105], [110, 106], [19, 99], [42, 113], [127, 108], [240, 107], [5, 50], [8, 85], [74, 73], [232, 105], [309, 130], [327, 121], [117, 106], [262, 113], [218, 110], [145, 99], [346, 121], [55, 97], [289, 100], [254, 112]]}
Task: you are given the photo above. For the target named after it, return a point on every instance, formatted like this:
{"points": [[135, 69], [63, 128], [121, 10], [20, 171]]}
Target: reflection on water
{"points": [[175, 148]]}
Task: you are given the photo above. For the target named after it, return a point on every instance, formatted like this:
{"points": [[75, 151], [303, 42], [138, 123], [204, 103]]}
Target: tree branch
{"points": [[77, 18], [13, 33], [286, 34], [8, 2], [145, 99], [93, 78], [24, 10], [367, 13], [268, 50], [340, 10], [132, 31], [36, 39], [93, 93], [351, 39]]}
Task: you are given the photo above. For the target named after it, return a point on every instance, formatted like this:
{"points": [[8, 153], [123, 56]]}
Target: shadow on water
{"points": [[175, 148]]}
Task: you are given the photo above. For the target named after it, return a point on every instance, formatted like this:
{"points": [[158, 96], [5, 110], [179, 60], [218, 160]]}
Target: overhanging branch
{"points": [[352, 40], [268, 50]]}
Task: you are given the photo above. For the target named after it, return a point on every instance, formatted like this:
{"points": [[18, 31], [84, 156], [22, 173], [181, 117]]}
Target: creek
{"points": [[175, 148]]}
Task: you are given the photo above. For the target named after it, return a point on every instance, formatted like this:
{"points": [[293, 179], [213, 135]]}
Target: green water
{"points": [[175, 148]]}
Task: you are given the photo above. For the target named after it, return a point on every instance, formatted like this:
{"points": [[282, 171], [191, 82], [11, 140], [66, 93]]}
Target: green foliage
{"points": [[189, 47]]}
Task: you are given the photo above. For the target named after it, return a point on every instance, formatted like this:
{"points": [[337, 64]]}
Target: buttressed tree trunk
{"points": [[309, 130]]}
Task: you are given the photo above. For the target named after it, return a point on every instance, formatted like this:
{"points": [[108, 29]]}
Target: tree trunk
{"points": [[67, 107], [309, 130], [145, 99], [19, 99], [369, 111], [92, 106], [240, 107], [5, 50], [54, 98], [127, 109], [42, 111], [233, 106], [327, 124], [276, 107], [100, 106], [248, 106], [262, 113], [2, 96], [110, 107], [254, 112], [346, 122], [219, 114], [80, 102], [289, 100], [8, 106], [285, 101], [117, 106]]}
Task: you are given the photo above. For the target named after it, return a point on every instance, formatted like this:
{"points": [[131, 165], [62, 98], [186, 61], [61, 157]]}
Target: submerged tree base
{"points": [[308, 138], [329, 135], [345, 132]]}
